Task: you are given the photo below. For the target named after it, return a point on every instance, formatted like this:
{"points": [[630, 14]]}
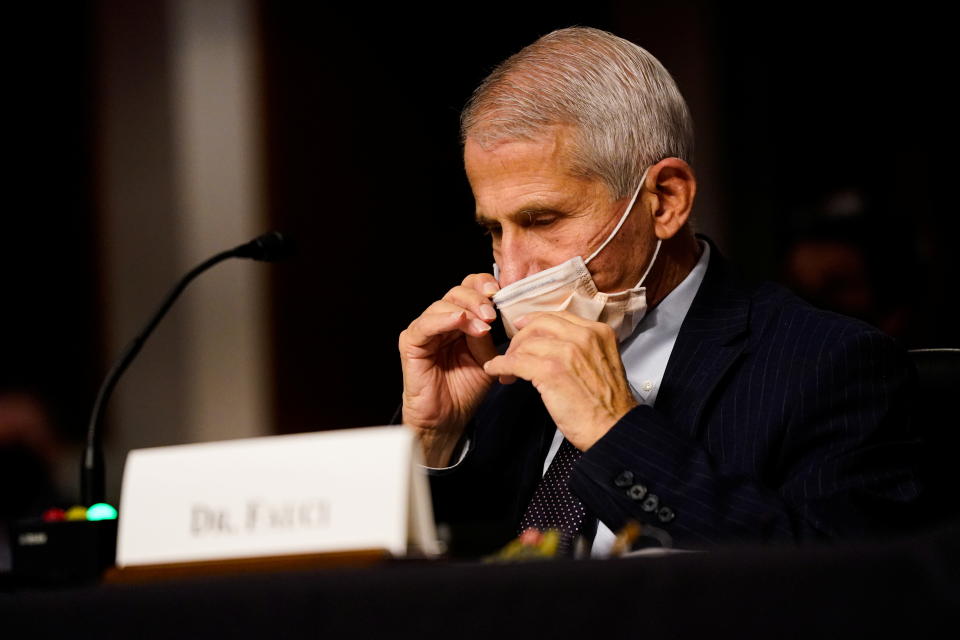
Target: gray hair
{"points": [[624, 107]]}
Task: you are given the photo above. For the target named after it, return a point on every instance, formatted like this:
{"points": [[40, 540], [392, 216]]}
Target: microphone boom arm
{"points": [[268, 247]]}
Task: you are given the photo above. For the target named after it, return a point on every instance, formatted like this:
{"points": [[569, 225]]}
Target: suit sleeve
{"points": [[838, 457]]}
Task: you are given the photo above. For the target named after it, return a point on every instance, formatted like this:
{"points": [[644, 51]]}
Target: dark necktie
{"points": [[553, 506]]}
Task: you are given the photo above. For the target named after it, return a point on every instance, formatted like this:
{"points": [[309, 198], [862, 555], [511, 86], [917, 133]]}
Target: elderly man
{"points": [[643, 380]]}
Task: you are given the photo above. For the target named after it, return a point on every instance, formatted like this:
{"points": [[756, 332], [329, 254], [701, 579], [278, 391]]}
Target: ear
{"points": [[673, 186]]}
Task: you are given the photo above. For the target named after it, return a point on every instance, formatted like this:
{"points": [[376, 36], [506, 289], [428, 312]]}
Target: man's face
{"points": [[540, 215]]}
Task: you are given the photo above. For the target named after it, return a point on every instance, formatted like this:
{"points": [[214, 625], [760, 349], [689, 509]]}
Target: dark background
{"points": [[792, 107], [49, 292]]}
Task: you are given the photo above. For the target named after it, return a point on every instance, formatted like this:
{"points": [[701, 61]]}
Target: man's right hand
{"points": [[442, 353]]}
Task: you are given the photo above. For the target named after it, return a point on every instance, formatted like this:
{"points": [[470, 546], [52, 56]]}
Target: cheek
{"points": [[547, 251], [621, 264], [521, 259]]}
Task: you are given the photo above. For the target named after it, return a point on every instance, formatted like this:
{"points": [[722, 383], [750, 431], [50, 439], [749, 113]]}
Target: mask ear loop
{"points": [[623, 219], [650, 266]]}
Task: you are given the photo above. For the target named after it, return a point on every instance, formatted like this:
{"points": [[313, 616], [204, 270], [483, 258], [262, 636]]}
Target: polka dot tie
{"points": [[553, 505]]}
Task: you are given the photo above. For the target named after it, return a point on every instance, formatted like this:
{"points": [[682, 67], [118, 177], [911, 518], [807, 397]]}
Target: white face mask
{"points": [[570, 287]]}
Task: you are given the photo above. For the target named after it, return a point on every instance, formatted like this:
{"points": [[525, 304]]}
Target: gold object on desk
{"points": [[529, 545]]}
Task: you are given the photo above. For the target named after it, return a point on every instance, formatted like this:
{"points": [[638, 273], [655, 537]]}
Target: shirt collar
{"points": [[666, 317]]}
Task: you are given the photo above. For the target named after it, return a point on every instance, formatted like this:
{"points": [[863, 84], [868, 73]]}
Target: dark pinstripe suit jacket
{"points": [[775, 421]]}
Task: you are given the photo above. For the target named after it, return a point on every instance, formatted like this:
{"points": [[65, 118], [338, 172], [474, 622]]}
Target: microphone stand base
{"points": [[66, 553]]}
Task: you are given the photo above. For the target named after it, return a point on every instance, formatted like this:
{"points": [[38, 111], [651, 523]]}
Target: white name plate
{"points": [[279, 495]]}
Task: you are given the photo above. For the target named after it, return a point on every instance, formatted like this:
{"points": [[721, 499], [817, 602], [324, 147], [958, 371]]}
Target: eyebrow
{"points": [[520, 215]]}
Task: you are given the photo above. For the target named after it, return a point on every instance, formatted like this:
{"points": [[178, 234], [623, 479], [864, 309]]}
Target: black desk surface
{"points": [[911, 586]]}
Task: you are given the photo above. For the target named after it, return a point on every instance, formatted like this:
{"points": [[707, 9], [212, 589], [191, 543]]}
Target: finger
{"points": [[471, 299], [555, 357], [445, 306], [432, 324], [548, 361], [567, 326], [515, 366], [603, 331], [499, 366], [600, 330], [524, 320], [552, 324], [474, 325], [485, 283]]}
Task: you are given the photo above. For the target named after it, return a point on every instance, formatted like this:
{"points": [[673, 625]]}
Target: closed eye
{"points": [[543, 221], [537, 217], [524, 218]]}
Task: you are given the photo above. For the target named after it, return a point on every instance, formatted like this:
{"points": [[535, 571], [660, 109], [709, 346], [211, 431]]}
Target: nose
{"points": [[514, 259]]}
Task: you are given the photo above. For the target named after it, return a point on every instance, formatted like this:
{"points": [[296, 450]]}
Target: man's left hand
{"points": [[576, 367]]}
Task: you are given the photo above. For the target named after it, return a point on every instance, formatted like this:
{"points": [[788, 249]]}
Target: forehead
{"points": [[515, 174], [546, 154]]}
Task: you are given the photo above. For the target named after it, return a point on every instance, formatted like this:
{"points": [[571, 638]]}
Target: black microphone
{"points": [[269, 247]]}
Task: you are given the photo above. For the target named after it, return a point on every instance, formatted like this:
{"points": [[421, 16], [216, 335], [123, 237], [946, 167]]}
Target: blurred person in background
{"points": [[840, 257]]}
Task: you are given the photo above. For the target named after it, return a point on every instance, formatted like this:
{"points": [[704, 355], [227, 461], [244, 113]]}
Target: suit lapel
{"points": [[517, 421], [711, 339]]}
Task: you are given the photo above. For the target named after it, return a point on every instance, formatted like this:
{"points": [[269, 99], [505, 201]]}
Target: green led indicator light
{"points": [[101, 511]]}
